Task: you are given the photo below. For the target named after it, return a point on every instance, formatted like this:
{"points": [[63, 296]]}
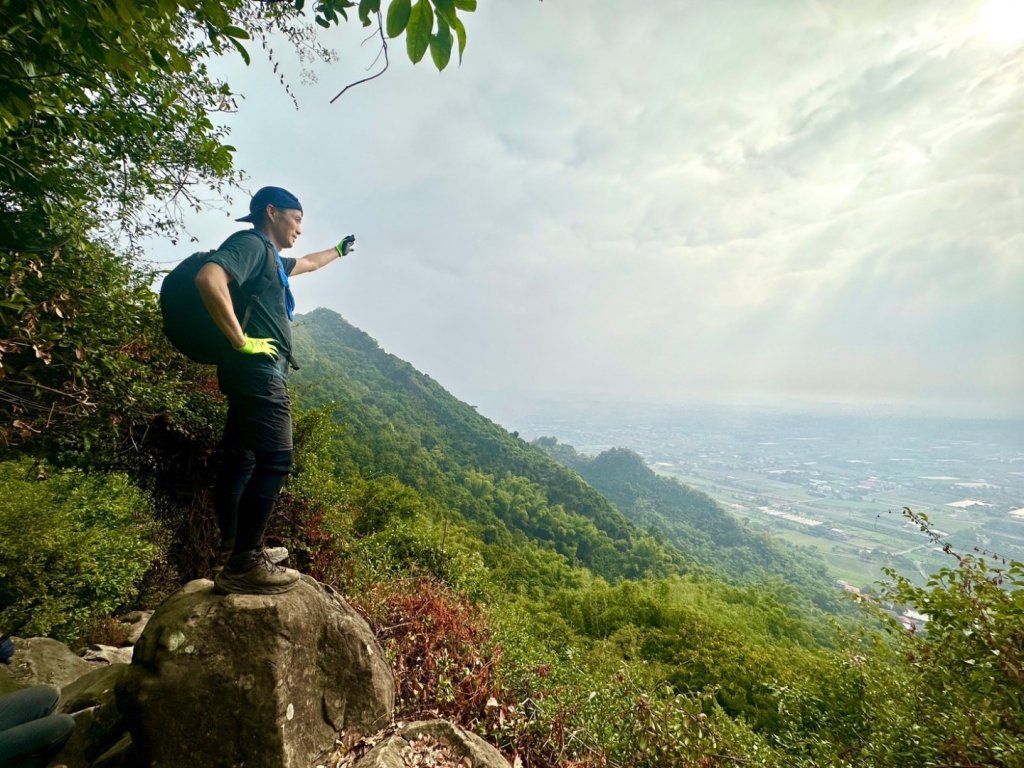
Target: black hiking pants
{"points": [[256, 458]]}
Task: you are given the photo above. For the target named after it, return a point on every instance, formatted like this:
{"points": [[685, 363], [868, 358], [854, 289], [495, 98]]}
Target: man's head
{"points": [[278, 214]]}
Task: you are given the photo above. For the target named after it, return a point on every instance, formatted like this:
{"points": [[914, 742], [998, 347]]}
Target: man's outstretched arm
{"points": [[313, 261]]}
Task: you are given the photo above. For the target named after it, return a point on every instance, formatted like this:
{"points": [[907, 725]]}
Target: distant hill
{"points": [[696, 524], [509, 494]]}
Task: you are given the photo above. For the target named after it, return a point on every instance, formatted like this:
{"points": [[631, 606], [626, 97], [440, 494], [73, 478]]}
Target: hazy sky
{"points": [[668, 200]]}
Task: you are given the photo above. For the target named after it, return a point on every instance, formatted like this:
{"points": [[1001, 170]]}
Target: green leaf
{"points": [[159, 59], [446, 11], [365, 10], [441, 44], [236, 32], [398, 17], [323, 22], [127, 10], [460, 32], [465, 5], [417, 33], [241, 50]]}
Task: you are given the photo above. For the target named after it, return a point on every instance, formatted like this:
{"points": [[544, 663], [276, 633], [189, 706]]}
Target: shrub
{"points": [[73, 547], [439, 646], [960, 690]]}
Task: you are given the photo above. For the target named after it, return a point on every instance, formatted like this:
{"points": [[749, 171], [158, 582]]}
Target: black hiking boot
{"points": [[260, 576], [274, 555]]}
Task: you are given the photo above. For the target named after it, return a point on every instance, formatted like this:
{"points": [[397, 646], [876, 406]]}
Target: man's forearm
{"points": [[313, 261]]}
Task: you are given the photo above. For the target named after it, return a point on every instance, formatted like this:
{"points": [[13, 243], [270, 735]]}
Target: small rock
{"points": [[106, 654], [137, 621], [433, 742]]}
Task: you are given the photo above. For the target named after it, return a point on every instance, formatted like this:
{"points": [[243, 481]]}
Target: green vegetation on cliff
{"points": [[698, 526], [398, 424]]}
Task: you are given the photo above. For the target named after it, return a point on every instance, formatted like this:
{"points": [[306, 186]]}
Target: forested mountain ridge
{"points": [[696, 524], [397, 421], [507, 592]]}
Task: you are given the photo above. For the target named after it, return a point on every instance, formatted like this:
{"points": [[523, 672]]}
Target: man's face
{"points": [[284, 225]]}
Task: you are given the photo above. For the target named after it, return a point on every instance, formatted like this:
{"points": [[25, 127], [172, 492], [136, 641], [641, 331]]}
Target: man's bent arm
{"points": [[212, 282], [313, 261]]}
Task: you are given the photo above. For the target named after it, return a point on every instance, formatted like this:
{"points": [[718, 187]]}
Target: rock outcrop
{"points": [[254, 681], [99, 724]]}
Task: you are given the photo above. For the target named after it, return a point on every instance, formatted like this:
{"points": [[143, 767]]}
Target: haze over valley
{"points": [[832, 479]]}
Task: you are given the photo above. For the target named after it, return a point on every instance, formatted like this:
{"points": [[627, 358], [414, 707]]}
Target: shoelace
{"points": [[264, 560]]}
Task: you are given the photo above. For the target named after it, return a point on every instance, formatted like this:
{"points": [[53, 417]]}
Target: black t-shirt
{"points": [[244, 257]]}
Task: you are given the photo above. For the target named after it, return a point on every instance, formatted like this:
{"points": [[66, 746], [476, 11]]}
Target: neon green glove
{"points": [[258, 347], [346, 246]]}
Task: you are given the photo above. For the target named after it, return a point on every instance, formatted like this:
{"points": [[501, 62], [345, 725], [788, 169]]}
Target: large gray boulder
{"points": [[254, 681]]}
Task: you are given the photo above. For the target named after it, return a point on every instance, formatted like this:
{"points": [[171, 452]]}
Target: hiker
{"points": [[257, 441], [30, 734]]}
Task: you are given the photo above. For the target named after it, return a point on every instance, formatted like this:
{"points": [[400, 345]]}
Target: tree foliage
{"points": [[74, 548], [107, 130], [399, 423], [698, 525], [964, 668]]}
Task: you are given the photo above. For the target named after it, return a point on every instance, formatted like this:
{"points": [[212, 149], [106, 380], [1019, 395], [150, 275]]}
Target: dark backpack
{"points": [[187, 323]]}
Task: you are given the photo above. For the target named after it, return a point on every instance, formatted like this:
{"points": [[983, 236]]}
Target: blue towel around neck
{"points": [[289, 300]]}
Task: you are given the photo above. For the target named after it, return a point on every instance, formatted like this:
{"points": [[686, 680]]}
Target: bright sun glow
{"points": [[1002, 21]]}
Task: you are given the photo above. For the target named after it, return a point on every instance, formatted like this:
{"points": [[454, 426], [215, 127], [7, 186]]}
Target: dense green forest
{"points": [[511, 595], [696, 524], [570, 614]]}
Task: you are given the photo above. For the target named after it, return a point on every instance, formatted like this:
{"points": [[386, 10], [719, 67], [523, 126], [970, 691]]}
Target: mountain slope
{"points": [[399, 422], [696, 523]]}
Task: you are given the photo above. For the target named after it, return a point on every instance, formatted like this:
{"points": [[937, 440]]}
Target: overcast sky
{"points": [[671, 201]]}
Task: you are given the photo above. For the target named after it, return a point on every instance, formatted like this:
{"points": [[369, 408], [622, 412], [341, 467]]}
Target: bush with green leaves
{"points": [[959, 693], [73, 548]]}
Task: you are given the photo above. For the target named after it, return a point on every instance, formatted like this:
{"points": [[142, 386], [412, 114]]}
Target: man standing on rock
{"points": [[257, 442]]}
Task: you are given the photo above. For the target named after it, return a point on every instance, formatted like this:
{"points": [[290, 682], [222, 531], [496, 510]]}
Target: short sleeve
{"points": [[289, 264], [242, 256]]}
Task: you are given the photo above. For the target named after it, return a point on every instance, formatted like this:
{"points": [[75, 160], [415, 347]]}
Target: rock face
{"points": [[99, 725], [254, 681]]}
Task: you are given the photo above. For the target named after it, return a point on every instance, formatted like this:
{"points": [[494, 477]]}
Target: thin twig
{"points": [[384, 48]]}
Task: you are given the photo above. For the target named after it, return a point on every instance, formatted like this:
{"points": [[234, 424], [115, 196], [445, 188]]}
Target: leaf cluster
{"points": [[419, 21], [84, 369]]}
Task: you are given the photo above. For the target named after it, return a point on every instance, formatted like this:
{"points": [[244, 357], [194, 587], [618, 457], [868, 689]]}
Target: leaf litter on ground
{"points": [[423, 752]]}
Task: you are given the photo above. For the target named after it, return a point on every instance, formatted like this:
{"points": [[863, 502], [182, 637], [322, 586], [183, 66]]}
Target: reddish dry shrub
{"points": [[300, 525], [439, 646], [106, 630]]}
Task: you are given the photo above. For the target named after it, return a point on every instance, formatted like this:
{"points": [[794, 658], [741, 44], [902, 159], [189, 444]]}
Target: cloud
{"points": [[659, 199]]}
